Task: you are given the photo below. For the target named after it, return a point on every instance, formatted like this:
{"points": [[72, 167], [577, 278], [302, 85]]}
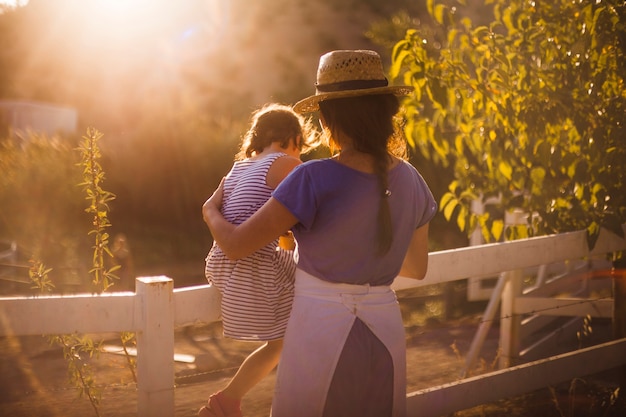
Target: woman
{"points": [[359, 218]]}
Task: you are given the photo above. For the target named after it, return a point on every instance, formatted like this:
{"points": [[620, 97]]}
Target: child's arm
{"points": [[280, 168]]}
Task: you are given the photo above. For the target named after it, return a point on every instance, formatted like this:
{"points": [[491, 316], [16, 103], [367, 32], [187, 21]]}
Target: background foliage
{"points": [[527, 110], [517, 100], [41, 203], [172, 97]]}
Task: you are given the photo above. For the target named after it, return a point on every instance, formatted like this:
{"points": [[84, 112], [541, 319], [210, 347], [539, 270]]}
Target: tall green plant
{"points": [[528, 109], [103, 272], [75, 346], [98, 207]]}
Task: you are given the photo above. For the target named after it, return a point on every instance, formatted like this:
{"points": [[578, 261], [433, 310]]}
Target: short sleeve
{"points": [[429, 204], [297, 193]]}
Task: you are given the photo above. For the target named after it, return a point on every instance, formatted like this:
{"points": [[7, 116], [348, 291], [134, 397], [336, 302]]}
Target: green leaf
{"points": [[430, 6], [497, 228], [507, 19], [452, 35], [446, 199], [397, 63], [484, 228], [593, 232], [449, 208], [438, 13], [505, 169], [461, 217], [537, 175]]}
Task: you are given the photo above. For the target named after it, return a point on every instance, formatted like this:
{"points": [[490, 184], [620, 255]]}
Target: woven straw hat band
{"points": [[351, 85]]}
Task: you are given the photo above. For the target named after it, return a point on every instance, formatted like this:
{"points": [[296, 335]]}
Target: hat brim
{"points": [[311, 104]]}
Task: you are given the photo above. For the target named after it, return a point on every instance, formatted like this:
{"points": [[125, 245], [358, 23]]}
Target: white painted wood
{"points": [[535, 323], [448, 398], [155, 347], [510, 323], [565, 282], [571, 307], [194, 305], [477, 290], [484, 326], [68, 314], [491, 259], [551, 342]]}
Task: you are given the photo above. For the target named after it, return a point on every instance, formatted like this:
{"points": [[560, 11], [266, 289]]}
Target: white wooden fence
{"points": [[156, 309]]}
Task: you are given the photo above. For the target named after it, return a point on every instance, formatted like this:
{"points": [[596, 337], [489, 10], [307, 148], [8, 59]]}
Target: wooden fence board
{"points": [[517, 380], [114, 312], [572, 307], [205, 300], [492, 259]]}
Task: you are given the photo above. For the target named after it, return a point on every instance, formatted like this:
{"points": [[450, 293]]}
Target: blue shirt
{"points": [[337, 206]]}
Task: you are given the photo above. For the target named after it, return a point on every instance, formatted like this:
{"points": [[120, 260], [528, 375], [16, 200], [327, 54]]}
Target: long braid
{"points": [[385, 231], [368, 120]]}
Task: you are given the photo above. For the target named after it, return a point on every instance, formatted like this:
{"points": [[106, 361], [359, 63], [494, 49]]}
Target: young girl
{"points": [[257, 291]]}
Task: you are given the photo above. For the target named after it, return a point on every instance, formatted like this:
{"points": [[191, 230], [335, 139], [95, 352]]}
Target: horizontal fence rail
{"points": [[156, 309], [510, 382], [494, 258]]}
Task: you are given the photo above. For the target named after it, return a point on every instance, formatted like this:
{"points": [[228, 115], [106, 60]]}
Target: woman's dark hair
{"points": [[277, 123], [370, 122]]}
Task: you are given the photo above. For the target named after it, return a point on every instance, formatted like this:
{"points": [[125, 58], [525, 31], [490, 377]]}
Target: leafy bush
{"points": [[527, 110]]}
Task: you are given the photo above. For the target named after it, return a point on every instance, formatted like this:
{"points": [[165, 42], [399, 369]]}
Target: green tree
{"points": [[528, 108]]}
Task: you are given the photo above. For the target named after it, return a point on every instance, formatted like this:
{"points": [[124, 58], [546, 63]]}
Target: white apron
{"points": [[321, 318]]}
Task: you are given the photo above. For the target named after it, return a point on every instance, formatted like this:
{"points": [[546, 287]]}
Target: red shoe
{"points": [[221, 406]]}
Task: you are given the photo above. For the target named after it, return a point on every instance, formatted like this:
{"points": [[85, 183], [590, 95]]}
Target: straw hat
{"points": [[349, 73]]}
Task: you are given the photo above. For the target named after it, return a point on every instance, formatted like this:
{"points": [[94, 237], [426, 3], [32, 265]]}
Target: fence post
{"points": [[155, 346], [619, 311], [510, 322], [484, 326]]}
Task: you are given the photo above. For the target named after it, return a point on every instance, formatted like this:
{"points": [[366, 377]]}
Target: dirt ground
{"points": [[33, 374]]}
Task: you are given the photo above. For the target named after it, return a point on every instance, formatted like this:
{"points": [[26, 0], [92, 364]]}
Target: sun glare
{"points": [[118, 7], [13, 3], [106, 48], [120, 19]]}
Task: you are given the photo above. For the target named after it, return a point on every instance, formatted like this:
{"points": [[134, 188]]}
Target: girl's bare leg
{"points": [[253, 369]]}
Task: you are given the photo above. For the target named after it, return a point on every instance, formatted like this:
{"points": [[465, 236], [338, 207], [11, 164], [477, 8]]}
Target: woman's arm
{"points": [[268, 223], [416, 259]]}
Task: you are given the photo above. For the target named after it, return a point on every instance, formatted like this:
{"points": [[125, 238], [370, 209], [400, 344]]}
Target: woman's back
{"points": [[336, 207]]}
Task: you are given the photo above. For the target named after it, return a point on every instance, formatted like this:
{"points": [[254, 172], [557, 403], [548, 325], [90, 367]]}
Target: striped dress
{"points": [[257, 291]]}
